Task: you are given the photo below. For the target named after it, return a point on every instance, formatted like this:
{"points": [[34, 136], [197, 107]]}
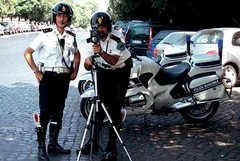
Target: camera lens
{"points": [[94, 39]]}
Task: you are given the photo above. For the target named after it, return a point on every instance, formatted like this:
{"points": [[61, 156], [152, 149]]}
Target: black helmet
{"points": [[101, 19], [62, 8]]}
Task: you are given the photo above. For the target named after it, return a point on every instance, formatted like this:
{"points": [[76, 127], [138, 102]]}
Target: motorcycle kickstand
{"points": [[144, 119]]}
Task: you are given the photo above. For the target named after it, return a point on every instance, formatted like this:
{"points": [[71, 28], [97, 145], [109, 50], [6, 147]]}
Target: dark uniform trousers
{"points": [[112, 87], [53, 90]]}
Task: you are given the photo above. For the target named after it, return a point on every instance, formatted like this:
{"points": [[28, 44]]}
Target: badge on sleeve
{"points": [[121, 46]]}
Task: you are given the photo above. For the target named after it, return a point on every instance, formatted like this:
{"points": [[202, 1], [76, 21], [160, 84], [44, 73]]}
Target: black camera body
{"points": [[94, 36]]}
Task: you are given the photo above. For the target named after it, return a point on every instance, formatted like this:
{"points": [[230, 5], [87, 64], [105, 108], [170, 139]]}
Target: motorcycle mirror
{"points": [[220, 47], [188, 39]]}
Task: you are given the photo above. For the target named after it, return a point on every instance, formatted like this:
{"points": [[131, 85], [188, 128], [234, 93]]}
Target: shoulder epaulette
{"points": [[47, 30], [71, 33], [120, 44], [115, 38]]}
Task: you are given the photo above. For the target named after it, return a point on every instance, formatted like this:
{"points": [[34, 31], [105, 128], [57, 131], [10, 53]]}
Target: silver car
{"points": [[174, 40], [206, 42]]}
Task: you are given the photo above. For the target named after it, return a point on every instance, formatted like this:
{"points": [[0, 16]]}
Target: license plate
{"points": [[137, 41]]}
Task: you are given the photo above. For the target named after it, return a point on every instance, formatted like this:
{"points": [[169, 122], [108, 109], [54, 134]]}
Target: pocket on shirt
{"points": [[51, 47]]}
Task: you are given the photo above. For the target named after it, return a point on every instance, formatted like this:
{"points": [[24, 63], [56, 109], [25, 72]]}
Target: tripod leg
{"points": [[114, 128], [97, 125], [85, 132]]}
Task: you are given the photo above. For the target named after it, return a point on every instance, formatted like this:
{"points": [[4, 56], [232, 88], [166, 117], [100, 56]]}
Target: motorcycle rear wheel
{"points": [[200, 113]]}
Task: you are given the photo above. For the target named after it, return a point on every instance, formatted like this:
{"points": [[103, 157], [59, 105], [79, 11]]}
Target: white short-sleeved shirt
{"points": [[110, 46], [49, 50]]}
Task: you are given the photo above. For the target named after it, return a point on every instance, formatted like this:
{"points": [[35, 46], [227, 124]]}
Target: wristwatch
{"points": [[35, 71]]}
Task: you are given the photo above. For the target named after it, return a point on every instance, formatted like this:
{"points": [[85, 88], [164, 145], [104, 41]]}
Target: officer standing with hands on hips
{"points": [[59, 60], [113, 78]]}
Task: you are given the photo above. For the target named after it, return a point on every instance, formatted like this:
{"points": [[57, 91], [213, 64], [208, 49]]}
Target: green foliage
{"points": [[7, 8], [83, 13], [41, 10], [188, 14], [191, 14]]}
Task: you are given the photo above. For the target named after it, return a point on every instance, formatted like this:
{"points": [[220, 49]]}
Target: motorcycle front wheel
{"points": [[83, 85], [85, 107], [200, 113]]}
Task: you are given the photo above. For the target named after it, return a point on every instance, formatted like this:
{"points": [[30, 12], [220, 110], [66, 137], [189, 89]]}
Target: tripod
{"points": [[93, 116]]}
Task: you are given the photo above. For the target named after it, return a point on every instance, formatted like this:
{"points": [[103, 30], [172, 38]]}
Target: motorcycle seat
{"points": [[173, 74]]}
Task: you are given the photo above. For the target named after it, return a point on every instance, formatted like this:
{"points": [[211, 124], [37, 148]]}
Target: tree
{"points": [[82, 17], [190, 14], [7, 8], [130, 9], [83, 13]]}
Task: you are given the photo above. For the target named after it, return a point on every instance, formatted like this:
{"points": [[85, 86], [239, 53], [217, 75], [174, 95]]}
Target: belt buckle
{"points": [[60, 70]]}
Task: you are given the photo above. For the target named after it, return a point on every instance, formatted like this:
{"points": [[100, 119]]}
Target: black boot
{"points": [[87, 148], [41, 136], [110, 153], [53, 146]]}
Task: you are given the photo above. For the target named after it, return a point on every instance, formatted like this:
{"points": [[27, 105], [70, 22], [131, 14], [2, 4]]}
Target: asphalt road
{"points": [[158, 138]]}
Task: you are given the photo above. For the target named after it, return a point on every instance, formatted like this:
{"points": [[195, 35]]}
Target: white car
{"points": [[1, 30], [206, 42], [173, 40]]}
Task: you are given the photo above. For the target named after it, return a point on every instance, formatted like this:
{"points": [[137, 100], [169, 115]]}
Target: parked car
{"points": [[8, 27], [17, 27], [133, 23], [206, 42], [24, 26], [1, 30], [117, 25], [151, 50], [121, 26], [175, 39], [141, 35]]}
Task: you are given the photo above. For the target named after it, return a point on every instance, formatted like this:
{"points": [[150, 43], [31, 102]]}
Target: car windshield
{"points": [[4, 24], [139, 32], [208, 37], [175, 39], [162, 34]]}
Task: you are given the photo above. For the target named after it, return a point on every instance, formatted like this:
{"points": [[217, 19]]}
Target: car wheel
{"points": [[230, 76]]}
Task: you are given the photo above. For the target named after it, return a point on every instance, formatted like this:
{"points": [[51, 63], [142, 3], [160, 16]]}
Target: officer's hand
{"points": [[96, 48], [74, 74], [88, 63], [39, 76]]}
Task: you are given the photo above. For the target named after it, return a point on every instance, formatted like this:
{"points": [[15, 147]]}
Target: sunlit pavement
{"points": [[159, 138]]}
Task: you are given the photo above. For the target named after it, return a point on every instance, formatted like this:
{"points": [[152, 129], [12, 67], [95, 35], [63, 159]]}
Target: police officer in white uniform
{"points": [[113, 74], [59, 60]]}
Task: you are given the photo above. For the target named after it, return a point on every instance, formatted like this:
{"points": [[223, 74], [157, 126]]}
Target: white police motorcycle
{"points": [[193, 88], [168, 58]]}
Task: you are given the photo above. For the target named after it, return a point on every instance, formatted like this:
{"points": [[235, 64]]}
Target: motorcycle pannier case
{"points": [[174, 56], [206, 60], [208, 87]]}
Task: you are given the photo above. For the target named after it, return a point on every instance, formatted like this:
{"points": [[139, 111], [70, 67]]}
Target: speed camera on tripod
{"points": [[94, 36]]}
